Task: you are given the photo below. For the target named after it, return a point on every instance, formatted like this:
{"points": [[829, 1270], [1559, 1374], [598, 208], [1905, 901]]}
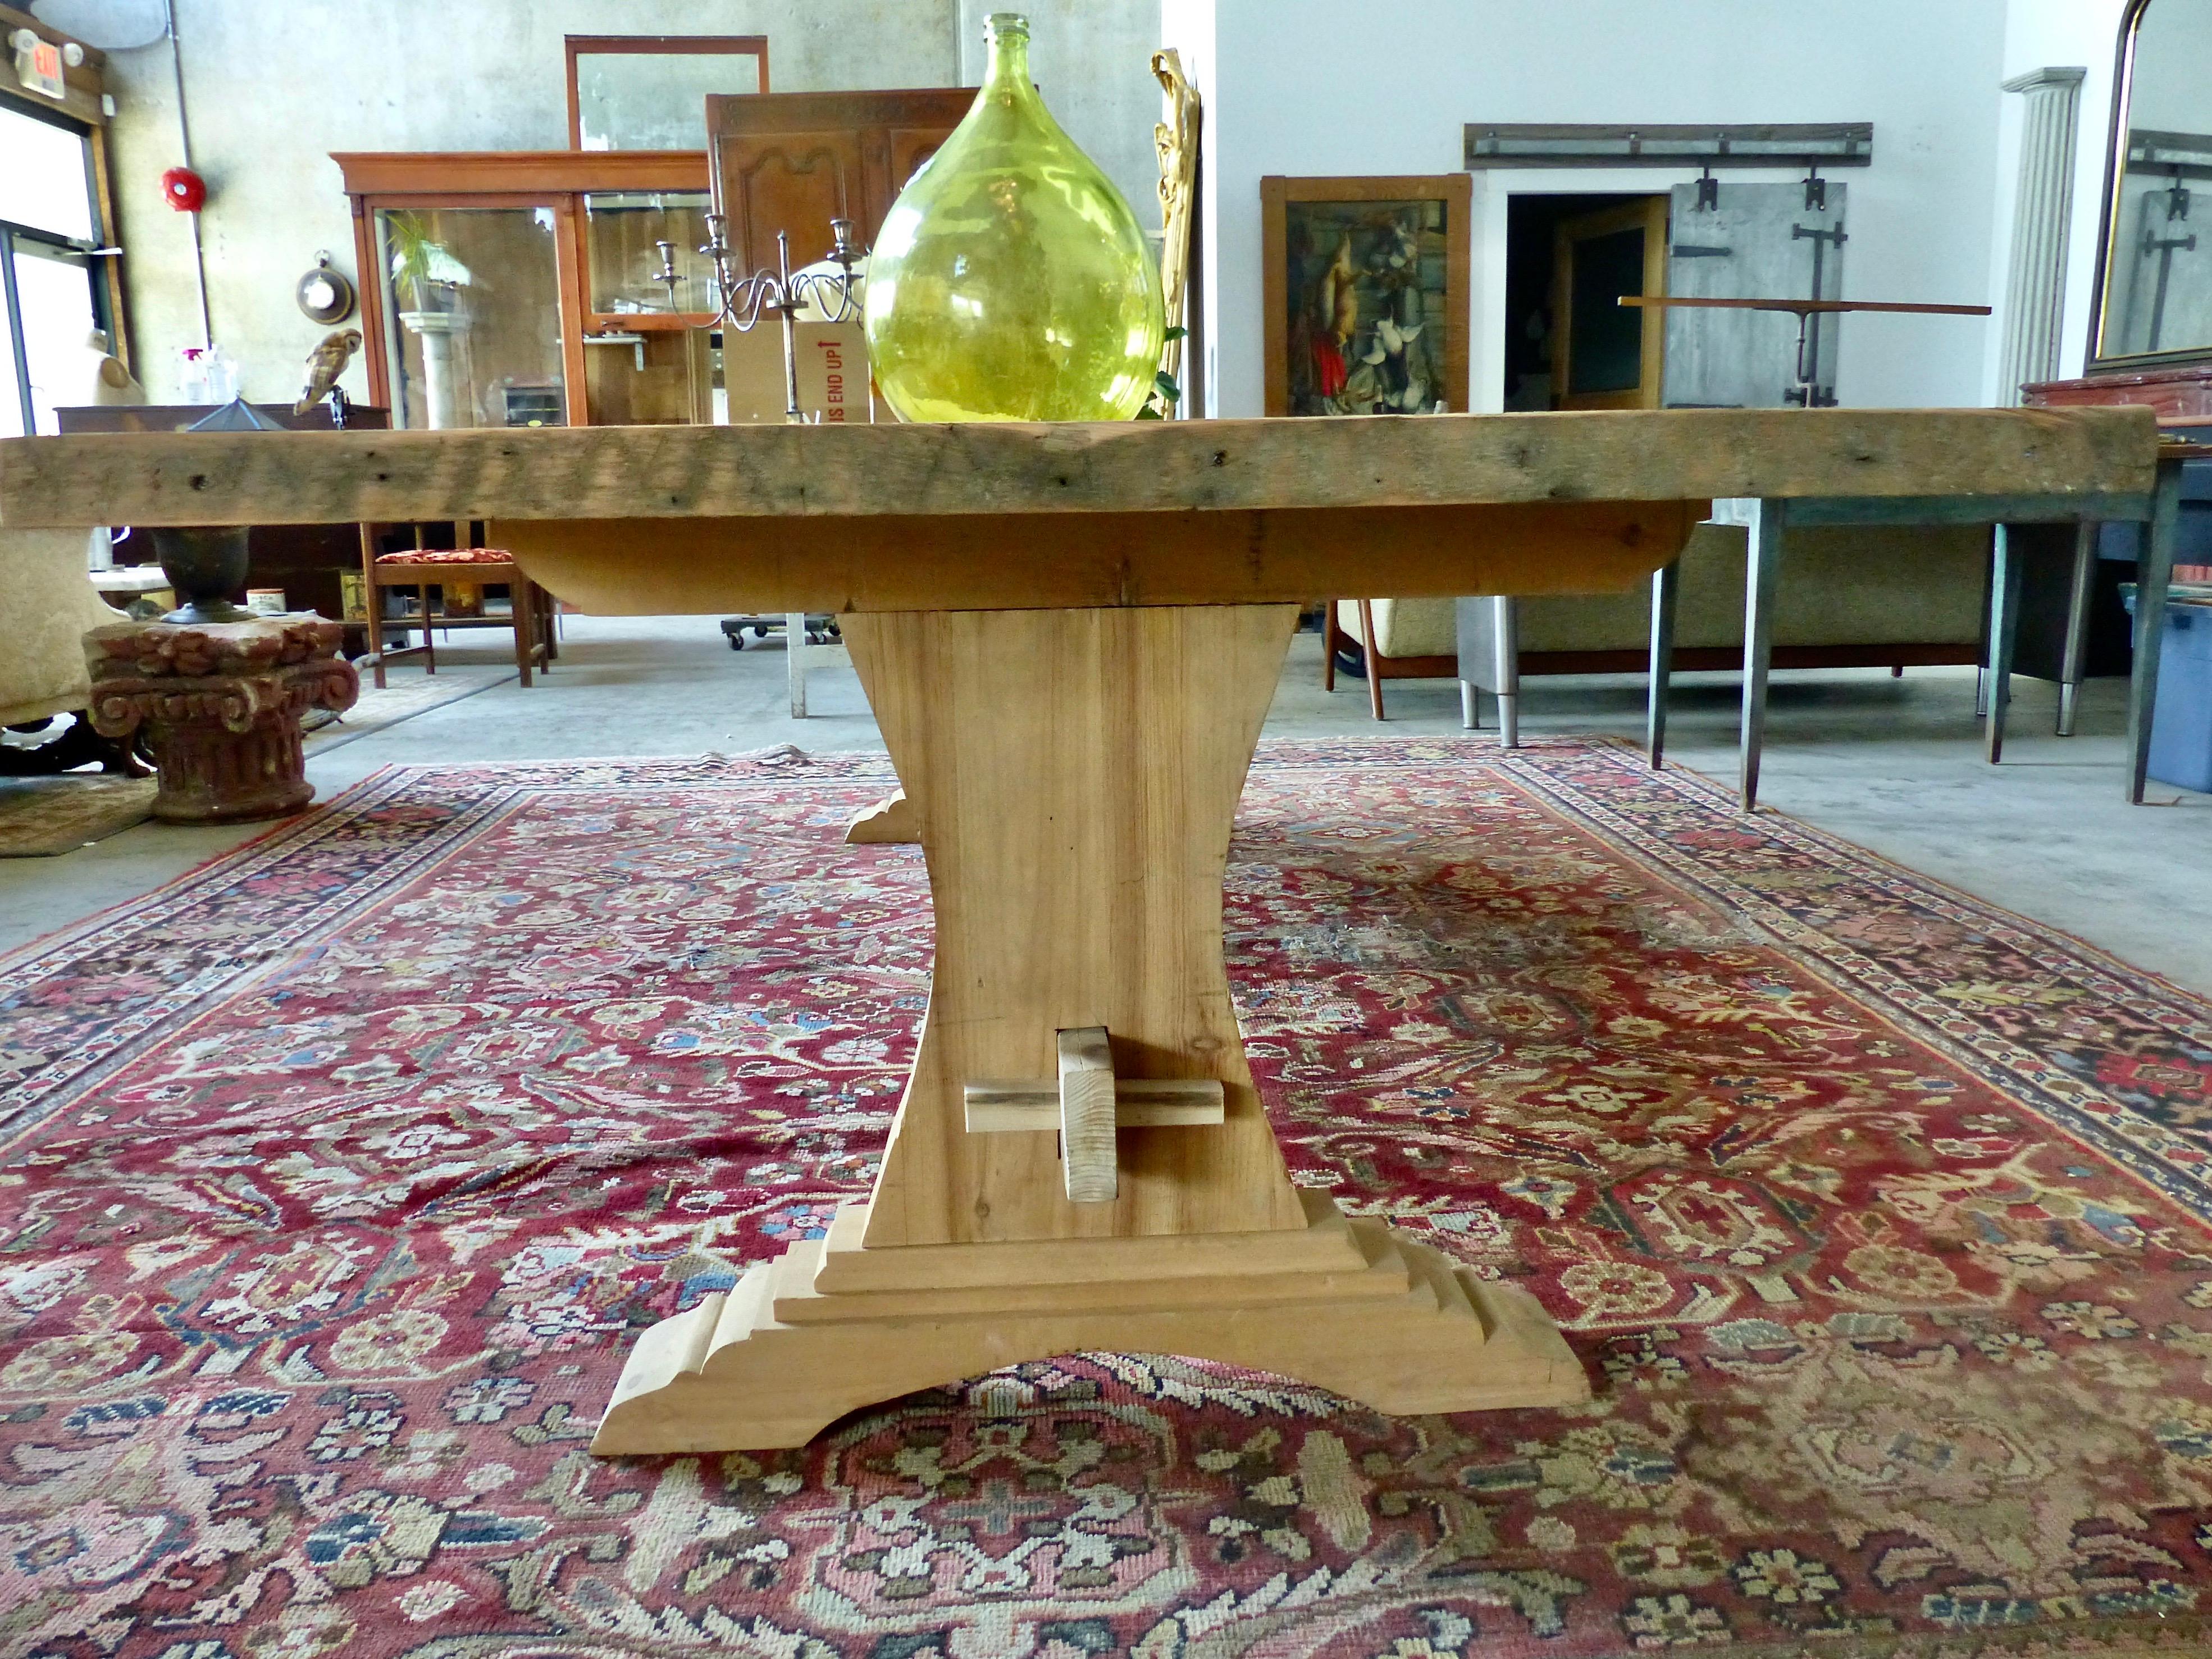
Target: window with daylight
{"points": [[53, 281]]}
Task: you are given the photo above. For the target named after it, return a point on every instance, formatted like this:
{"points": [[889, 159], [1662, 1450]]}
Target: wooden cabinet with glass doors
{"points": [[531, 288]]}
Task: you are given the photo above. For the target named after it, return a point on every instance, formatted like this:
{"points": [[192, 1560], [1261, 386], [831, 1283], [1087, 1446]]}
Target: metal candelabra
{"points": [[744, 300]]}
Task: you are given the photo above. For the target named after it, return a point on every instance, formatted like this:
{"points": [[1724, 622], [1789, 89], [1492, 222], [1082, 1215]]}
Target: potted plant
{"points": [[424, 273], [426, 281]]}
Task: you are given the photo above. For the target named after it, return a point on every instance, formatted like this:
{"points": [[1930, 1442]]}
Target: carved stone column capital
{"points": [[220, 704]]}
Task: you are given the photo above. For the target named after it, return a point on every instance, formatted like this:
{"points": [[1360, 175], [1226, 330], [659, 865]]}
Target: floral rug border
{"points": [[2112, 1121]]}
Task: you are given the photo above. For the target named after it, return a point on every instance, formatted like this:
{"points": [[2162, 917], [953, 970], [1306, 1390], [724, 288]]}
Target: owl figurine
{"points": [[325, 364]]}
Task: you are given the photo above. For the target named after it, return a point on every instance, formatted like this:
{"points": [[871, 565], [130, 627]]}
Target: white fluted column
{"points": [[444, 403], [2042, 205]]}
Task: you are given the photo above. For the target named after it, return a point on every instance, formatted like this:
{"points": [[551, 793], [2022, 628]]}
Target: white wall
{"points": [[274, 86], [2057, 35], [1300, 87]]}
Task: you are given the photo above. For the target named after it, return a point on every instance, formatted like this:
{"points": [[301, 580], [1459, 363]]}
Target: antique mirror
{"points": [[649, 91], [2154, 285]]}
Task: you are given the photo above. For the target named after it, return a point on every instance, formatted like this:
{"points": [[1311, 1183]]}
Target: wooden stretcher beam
{"points": [[1140, 1102], [718, 567]]}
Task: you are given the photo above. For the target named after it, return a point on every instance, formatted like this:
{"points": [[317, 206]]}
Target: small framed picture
{"points": [[1365, 285]]}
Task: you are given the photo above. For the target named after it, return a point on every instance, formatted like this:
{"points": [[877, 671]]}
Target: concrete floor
{"points": [[1894, 765]]}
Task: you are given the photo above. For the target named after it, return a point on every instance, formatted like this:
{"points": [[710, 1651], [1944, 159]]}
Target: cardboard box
{"points": [[834, 384]]}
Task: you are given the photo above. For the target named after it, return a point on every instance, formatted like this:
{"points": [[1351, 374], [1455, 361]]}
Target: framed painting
{"points": [[1365, 293]]}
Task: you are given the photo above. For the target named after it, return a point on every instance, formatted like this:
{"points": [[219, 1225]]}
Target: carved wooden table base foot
{"points": [[831, 1327]]}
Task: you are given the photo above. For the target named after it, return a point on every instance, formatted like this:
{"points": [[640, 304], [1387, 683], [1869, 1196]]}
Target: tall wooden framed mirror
{"points": [[2153, 303], [649, 91]]}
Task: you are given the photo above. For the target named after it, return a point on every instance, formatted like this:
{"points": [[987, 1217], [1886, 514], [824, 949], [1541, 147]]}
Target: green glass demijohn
{"points": [[1010, 280]]}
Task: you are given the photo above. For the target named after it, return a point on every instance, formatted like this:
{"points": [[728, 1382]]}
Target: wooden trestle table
{"points": [[1070, 636]]}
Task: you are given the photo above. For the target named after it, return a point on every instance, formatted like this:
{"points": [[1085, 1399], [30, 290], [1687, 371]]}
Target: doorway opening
{"points": [[1570, 343]]}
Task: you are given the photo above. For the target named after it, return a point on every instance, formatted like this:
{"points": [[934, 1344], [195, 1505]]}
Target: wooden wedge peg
{"points": [[1086, 1116]]}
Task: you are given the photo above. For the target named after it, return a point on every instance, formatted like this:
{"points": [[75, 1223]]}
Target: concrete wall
{"points": [[274, 86], [1282, 98], [1092, 60]]}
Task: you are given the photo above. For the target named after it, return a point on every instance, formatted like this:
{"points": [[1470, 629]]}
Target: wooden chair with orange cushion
{"points": [[421, 568]]}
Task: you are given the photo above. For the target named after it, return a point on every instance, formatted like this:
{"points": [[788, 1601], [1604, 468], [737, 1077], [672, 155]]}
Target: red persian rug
{"points": [[339, 1175]]}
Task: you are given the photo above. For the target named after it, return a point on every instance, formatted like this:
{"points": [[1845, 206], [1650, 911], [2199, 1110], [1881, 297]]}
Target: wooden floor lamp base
{"points": [[831, 1327]]}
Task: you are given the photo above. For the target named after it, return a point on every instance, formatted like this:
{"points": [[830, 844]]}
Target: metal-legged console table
{"points": [[2154, 509], [2154, 558]]}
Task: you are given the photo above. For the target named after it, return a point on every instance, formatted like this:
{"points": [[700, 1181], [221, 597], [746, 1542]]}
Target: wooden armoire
{"points": [[794, 160]]}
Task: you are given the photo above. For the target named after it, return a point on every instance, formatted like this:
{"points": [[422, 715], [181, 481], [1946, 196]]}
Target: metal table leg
{"points": [[2077, 625], [1508, 665], [1470, 705], [1981, 664], [2004, 634], [1666, 582], [1762, 568], [794, 641], [2153, 572]]}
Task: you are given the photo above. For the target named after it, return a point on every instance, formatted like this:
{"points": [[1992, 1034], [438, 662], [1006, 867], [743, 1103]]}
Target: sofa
{"points": [[47, 604], [1893, 597]]}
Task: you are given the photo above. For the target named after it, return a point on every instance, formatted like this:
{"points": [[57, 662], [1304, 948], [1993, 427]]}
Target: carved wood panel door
{"points": [[905, 148], [791, 161], [791, 182]]}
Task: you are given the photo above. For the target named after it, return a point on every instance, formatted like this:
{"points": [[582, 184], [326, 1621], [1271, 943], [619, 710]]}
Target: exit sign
{"points": [[39, 66]]}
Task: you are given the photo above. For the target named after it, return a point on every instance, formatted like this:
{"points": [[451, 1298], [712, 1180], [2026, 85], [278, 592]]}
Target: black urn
{"points": [[204, 567]]}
